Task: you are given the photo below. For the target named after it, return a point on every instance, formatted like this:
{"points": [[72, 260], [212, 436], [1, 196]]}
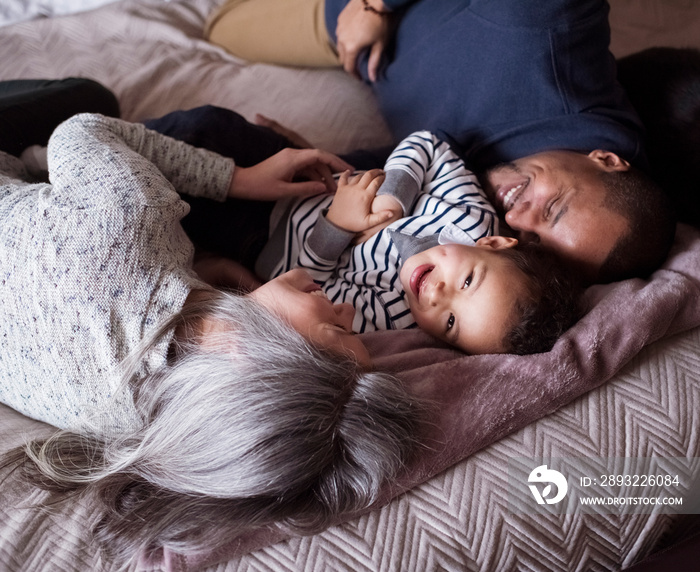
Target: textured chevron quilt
{"points": [[613, 410]]}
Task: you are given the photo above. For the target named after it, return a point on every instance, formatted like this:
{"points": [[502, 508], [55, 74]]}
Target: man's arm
{"points": [[365, 24]]}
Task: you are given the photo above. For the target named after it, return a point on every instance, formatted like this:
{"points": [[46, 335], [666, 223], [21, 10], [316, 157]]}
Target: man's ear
{"points": [[608, 160], [497, 242]]}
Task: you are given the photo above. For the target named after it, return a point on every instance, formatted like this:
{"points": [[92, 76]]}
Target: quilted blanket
{"points": [[623, 383]]}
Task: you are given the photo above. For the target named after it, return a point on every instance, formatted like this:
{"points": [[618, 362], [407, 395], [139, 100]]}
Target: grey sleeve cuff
{"points": [[402, 186], [328, 241]]}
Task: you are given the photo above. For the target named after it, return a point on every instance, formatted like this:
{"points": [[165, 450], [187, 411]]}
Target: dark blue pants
{"points": [[237, 228]]}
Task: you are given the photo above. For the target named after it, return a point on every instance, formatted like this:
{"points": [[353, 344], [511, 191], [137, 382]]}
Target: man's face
{"points": [[556, 198]]}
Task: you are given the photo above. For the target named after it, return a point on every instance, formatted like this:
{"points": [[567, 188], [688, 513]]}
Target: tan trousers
{"points": [[284, 32]]}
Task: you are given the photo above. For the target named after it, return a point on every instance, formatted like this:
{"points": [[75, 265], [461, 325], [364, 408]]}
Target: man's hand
{"points": [[381, 204], [351, 209], [278, 177], [358, 29]]}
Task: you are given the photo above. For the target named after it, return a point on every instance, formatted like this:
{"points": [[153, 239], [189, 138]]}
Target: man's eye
{"points": [[468, 281], [549, 211], [450, 322]]}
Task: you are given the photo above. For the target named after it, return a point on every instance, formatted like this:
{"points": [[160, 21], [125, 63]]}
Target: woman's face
{"points": [[300, 301]]}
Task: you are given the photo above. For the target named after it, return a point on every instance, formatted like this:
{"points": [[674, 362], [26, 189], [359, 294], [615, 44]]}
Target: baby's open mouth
{"points": [[418, 279]]}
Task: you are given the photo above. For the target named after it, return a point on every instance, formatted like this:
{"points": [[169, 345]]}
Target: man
{"points": [[527, 83], [595, 210]]}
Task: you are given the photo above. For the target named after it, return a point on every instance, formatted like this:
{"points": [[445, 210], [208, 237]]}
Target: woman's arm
{"points": [[222, 272], [96, 160], [276, 177]]}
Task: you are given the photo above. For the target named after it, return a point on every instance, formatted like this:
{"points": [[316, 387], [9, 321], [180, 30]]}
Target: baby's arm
{"points": [[351, 209], [349, 213], [419, 163], [437, 171], [420, 159]]}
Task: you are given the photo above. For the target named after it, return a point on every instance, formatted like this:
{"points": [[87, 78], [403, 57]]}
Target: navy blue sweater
{"points": [[502, 79]]}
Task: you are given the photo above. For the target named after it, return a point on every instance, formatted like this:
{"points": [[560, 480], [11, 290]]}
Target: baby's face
{"points": [[465, 295]]}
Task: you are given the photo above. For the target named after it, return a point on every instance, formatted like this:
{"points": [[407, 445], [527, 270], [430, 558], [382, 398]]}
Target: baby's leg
{"points": [[283, 32]]}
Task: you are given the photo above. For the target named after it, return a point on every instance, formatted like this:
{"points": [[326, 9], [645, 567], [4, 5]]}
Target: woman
{"points": [[181, 405]]}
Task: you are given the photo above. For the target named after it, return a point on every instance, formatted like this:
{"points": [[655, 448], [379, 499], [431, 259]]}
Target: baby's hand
{"points": [[351, 209], [381, 203]]}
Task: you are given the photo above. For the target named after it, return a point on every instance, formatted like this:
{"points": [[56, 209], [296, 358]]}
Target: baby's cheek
{"points": [[426, 321]]}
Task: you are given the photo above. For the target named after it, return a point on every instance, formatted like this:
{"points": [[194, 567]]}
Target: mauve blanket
{"points": [[480, 399]]}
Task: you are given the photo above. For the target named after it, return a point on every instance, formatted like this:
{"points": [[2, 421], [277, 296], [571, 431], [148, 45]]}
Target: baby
{"points": [[416, 245]]}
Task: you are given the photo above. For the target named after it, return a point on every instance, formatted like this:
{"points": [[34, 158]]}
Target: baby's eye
{"points": [[468, 281], [450, 322]]}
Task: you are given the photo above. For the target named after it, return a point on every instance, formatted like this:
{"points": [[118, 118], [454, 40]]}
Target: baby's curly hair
{"points": [[553, 304]]}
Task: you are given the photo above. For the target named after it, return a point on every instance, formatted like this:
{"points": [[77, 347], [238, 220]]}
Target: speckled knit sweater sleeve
{"points": [[90, 263]]}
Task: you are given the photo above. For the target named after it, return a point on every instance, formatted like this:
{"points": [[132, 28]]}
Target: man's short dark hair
{"points": [[553, 302], [652, 225], [663, 85]]}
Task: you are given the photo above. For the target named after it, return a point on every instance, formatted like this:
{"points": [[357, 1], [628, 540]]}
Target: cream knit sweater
{"points": [[92, 262]]}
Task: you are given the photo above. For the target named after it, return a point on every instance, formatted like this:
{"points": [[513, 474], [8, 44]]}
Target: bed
{"points": [[619, 393]]}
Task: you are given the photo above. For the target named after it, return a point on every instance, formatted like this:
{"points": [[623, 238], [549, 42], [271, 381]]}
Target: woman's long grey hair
{"points": [[254, 427]]}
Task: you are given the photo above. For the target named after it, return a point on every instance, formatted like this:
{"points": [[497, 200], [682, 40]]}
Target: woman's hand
{"points": [[351, 209], [278, 177], [358, 29]]}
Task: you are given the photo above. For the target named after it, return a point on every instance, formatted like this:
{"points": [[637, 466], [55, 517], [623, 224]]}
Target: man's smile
{"points": [[509, 194]]}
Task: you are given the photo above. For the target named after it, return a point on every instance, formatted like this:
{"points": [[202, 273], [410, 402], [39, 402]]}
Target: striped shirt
{"points": [[442, 199]]}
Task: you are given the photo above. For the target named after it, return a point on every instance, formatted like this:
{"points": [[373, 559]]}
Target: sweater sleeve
{"points": [[322, 248], [406, 168], [96, 161]]}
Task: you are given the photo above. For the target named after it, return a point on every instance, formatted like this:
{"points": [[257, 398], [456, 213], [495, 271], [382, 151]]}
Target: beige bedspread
{"points": [[150, 53]]}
